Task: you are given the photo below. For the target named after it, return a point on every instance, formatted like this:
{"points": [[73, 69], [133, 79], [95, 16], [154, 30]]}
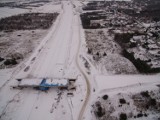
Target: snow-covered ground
{"points": [[117, 87], [57, 56], [6, 11], [120, 81], [48, 8], [54, 58], [22, 41], [51, 7], [105, 53], [107, 83]]}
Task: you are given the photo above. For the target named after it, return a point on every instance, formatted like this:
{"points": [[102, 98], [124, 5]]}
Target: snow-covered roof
{"points": [[30, 82], [138, 37], [57, 82], [153, 46]]}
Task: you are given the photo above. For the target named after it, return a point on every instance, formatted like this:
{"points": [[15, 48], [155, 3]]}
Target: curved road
{"points": [[80, 117]]}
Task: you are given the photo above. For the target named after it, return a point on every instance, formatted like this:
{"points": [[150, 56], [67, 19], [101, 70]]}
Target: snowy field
{"points": [[103, 60], [133, 102], [105, 53], [51, 7], [108, 90], [61, 52], [120, 81], [6, 11], [55, 56]]}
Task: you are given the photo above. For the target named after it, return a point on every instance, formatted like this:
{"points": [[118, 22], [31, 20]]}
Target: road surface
{"points": [[88, 92], [52, 59]]}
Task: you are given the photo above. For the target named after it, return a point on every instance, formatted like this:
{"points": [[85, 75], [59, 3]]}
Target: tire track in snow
{"points": [[9, 102]]}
